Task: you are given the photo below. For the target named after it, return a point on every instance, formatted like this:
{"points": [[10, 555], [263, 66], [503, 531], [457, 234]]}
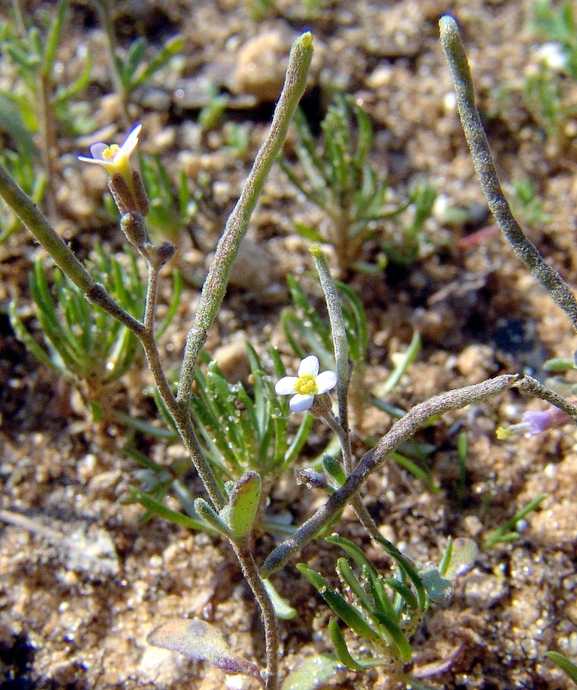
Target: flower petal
{"points": [[326, 381], [97, 150], [131, 141], [85, 159], [301, 403], [309, 365], [286, 385]]}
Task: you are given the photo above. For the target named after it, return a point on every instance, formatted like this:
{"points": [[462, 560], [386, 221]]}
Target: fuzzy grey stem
{"points": [[341, 348], [251, 573], [525, 250], [399, 432], [532, 387], [214, 287]]}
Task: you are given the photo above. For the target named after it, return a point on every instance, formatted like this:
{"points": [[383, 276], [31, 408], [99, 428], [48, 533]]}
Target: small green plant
{"points": [[342, 181], [386, 611], [527, 204], [133, 70], [87, 346], [22, 168], [237, 438], [545, 89], [509, 530], [45, 103], [173, 206]]}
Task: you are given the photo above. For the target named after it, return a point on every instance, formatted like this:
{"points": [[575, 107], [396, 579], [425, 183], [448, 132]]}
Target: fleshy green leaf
{"points": [[242, 507]]}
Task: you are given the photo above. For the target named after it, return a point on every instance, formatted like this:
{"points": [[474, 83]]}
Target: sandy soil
{"points": [[69, 620]]}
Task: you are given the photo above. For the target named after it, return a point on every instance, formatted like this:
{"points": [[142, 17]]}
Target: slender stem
{"points": [[98, 295], [251, 573], [399, 432], [151, 298], [182, 421], [341, 348], [47, 138], [532, 387], [19, 18], [216, 281], [525, 250], [29, 214]]}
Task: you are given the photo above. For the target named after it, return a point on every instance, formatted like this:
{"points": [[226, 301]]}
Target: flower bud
{"points": [[140, 196], [161, 253], [133, 226]]}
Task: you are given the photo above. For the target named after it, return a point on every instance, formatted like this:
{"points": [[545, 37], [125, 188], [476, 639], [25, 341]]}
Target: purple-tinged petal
{"points": [[97, 150], [286, 385], [537, 421], [309, 365], [326, 381], [301, 403]]}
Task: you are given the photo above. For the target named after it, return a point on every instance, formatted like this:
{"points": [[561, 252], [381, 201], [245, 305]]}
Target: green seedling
{"points": [[235, 435], [342, 181], [87, 346], [385, 611], [508, 531]]}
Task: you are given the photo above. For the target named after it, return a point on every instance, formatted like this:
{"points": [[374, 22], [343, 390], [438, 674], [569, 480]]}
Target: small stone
{"points": [[254, 270], [483, 591], [476, 362], [260, 66], [232, 359]]}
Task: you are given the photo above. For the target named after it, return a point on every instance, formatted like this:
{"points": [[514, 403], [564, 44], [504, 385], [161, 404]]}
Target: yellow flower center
{"points": [[109, 152], [306, 385]]}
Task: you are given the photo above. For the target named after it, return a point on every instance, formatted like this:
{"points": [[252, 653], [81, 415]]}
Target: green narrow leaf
{"points": [[54, 36], [408, 567], [396, 635], [348, 577], [172, 47], [404, 591], [347, 613], [166, 513], [177, 286], [412, 351], [341, 648], [133, 59], [354, 552], [334, 470], [564, 664], [208, 514]]}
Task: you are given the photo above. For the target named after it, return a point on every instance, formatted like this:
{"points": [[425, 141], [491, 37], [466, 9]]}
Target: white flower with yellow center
{"points": [[113, 158], [306, 385]]}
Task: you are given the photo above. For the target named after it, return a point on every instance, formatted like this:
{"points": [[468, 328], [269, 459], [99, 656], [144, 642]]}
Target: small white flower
{"points": [[115, 159], [552, 56], [306, 385]]}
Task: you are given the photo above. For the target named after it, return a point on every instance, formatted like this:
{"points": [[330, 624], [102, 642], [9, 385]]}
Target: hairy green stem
{"points": [[525, 250], [47, 138], [60, 252], [29, 214], [252, 575], [216, 281], [341, 348], [399, 432]]}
